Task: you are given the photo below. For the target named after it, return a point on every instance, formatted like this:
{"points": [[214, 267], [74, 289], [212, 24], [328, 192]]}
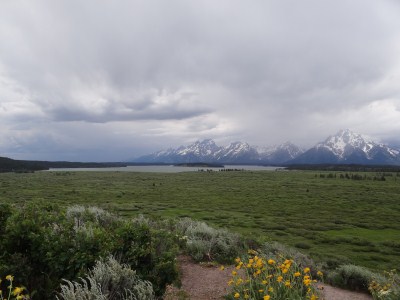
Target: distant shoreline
{"points": [[200, 165]]}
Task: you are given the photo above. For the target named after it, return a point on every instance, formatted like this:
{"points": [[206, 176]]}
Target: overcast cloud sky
{"points": [[111, 80]]}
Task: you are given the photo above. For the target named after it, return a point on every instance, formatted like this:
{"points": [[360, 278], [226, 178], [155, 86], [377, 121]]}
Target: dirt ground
{"points": [[208, 282]]}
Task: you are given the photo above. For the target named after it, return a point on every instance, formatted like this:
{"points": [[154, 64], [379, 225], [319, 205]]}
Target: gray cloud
{"points": [[172, 72]]}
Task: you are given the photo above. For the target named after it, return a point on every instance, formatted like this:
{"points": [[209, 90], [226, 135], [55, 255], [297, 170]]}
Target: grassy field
{"points": [[333, 219]]}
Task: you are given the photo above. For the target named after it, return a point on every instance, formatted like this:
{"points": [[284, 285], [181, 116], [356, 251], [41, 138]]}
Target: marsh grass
{"points": [[334, 218]]}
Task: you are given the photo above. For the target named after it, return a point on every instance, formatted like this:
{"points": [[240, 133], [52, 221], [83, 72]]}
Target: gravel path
{"points": [[206, 282]]}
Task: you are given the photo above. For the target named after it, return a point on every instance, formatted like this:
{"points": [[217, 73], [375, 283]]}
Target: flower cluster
{"points": [[390, 290], [259, 278], [13, 293]]}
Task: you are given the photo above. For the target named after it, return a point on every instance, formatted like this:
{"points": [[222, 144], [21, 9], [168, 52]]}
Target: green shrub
{"points": [[276, 250], [387, 290], [206, 243], [302, 245], [353, 277], [41, 244], [151, 252], [108, 280], [92, 214]]}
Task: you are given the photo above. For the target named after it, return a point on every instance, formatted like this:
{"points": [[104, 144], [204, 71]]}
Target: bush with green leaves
{"points": [[42, 243], [92, 214], [206, 243], [354, 277], [108, 280], [275, 250], [387, 290]]}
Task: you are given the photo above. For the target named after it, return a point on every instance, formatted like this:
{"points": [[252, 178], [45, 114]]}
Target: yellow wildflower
{"points": [[237, 260], [222, 268], [261, 291], [297, 274], [313, 297], [306, 270], [306, 280], [279, 279], [320, 274], [287, 283], [10, 278], [288, 263], [264, 282], [17, 291], [271, 262], [267, 297], [234, 273], [259, 263], [237, 295], [271, 289]]}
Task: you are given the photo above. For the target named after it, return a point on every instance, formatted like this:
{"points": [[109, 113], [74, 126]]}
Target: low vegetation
{"points": [[42, 245], [332, 219], [53, 238], [108, 280], [203, 242], [258, 277]]}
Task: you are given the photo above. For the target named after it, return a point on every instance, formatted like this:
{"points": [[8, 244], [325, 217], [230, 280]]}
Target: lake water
{"points": [[164, 169]]}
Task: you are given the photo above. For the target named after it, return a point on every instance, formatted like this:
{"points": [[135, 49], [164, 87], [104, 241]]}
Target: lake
{"points": [[165, 169]]}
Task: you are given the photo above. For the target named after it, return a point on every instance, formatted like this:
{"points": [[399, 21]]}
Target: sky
{"points": [[112, 80]]}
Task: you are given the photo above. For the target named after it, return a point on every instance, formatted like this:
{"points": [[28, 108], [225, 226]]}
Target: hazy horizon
{"points": [[109, 81]]}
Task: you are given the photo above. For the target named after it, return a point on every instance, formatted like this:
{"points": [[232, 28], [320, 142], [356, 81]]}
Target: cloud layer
{"points": [[114, 79]]}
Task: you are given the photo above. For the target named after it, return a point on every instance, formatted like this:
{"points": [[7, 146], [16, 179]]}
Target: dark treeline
{"points": [[200, 164], [377, 177], [11, 165], [345, 168]]}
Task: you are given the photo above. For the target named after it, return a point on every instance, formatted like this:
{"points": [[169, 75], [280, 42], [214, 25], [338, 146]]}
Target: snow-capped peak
{"points": [[344, 147], [346, 141], [204, 148], [291, 149]]}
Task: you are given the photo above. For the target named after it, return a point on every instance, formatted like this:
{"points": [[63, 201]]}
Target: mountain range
{"points": [[345, 147]]}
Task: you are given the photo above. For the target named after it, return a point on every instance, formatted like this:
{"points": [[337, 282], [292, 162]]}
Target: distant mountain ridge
{"points": [[235, 153], [345, 147]]}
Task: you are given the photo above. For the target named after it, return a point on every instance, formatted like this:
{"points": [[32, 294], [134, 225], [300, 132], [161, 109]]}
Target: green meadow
{"points": [[334, 219]]}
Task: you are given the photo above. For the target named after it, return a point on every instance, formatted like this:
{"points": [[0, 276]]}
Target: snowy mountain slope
{"points": [[345, 147], [348, 147], [236, 152], [281, 153]]}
